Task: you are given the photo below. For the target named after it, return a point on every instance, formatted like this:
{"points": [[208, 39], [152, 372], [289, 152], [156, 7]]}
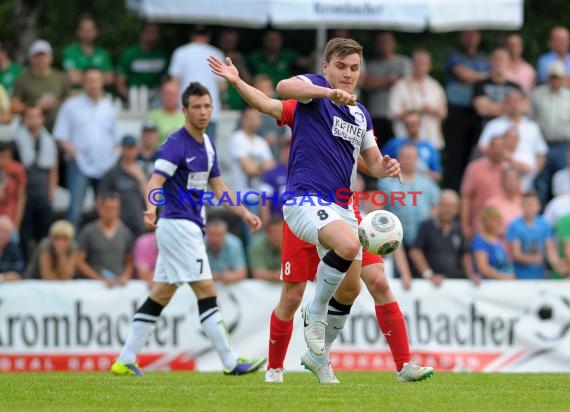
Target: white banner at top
{"points": [[406, 15]]}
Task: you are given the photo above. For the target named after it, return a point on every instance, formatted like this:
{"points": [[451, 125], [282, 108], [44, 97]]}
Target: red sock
{"points": [[393, 326], [280, 332]]}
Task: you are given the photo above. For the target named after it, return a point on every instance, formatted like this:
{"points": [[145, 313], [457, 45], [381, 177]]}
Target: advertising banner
{"points": [[81, 325]]}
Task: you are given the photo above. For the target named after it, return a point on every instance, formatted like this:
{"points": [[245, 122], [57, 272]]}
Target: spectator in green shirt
{"points": [[168, 117], [9, 71], [41, 85], [275, 61], [144, 63], [264, 252], [84, 53], [562, 228]]}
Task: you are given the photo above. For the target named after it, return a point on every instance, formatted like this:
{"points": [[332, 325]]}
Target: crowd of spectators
{"points": [[489, 151]]}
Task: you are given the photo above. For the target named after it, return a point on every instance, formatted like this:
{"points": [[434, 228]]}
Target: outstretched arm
{"points": [[250, 94]]}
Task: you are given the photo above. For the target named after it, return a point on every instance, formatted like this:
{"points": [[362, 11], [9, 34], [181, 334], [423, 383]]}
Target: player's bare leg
{"points": [[392, 324], [281, 328], [342, 241], [141, 328]]}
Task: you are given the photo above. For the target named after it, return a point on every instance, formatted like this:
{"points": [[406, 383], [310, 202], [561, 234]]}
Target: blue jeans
{"points": [[77, 184], [555, 160]]}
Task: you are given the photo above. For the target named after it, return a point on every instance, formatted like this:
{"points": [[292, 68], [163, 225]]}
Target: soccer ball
{"points": [[380, 232]]}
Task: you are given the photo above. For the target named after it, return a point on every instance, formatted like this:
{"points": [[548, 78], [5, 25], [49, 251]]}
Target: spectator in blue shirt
{"points": [[531, 239], [559, 43], [490, 255], [225, 253], [428, 156], [412, 210]]}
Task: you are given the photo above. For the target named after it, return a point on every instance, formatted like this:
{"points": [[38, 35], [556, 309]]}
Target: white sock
{"points": [[336, 319], [328, 279], [139, 333], [215, 329]]}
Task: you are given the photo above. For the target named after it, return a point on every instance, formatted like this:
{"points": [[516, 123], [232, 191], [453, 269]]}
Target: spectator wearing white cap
{"points": [[41, 85], [550, 107]]}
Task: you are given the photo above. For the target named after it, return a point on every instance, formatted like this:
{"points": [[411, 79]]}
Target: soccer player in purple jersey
{"points": [[330, 130], [186, 163]]}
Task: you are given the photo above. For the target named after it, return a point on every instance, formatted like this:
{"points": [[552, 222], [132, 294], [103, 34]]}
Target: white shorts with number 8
{"points": [[305, 218]]}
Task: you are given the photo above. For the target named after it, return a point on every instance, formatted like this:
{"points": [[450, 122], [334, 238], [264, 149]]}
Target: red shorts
{"points": [[299, 259]]}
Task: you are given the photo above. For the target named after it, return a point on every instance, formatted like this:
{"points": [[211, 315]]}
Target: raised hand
{"points": [[341, 97], [225, 70]]}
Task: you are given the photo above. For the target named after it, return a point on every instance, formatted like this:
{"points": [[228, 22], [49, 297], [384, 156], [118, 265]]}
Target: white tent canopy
{"points": [[403, 15]]}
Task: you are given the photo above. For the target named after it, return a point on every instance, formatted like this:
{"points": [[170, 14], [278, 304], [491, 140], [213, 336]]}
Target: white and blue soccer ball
{"points": [[380, 232]]}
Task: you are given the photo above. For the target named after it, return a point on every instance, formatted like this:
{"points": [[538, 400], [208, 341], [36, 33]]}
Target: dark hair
{"points": [[108, 195], [86, 17], [5, 146], [7, 47], [148, 24], [91, 68], [200, 30], [194, 89]]}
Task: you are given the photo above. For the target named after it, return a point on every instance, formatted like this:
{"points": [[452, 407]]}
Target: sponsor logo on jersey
{"points": [[348, 131]]}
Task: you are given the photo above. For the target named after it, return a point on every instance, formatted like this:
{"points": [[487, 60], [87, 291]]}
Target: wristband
{"points": [[427, 274]]}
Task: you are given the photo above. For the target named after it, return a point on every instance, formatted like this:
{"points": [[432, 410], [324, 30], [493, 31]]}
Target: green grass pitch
{"points": [[358, 391]]}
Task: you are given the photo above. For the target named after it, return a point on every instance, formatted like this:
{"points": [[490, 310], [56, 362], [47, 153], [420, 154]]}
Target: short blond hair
{"points": [[341, 47], [62, 228], [490, 212]]}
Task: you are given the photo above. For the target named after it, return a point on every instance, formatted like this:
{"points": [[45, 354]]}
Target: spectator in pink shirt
{"points": [[481, 181], [509, 200], [519, 70], [145, 253]]}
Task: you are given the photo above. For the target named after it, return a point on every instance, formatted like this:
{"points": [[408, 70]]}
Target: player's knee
{"points": [[378, 287], [348, 249]]}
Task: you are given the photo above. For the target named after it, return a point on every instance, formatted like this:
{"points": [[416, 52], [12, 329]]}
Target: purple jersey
{"points": [[273, 184], [326, 140], [187, 166]]}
